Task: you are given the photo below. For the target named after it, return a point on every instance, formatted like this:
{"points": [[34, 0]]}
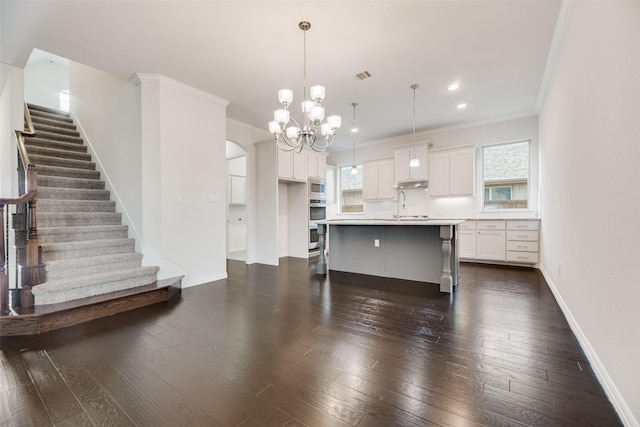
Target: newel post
{"points": [[4, 280], [35, 269]]}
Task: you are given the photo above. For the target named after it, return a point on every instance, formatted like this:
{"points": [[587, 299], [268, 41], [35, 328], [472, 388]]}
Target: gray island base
{"points": [[418, 250]]}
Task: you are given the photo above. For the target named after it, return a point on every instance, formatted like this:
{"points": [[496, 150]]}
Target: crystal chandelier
{"points": [[291, 135]]}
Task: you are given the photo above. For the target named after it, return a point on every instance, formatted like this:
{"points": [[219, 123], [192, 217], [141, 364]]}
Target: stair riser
{"points": [[48, 205], [57, 274], [60, 124], [45, 220], [49, 181], [62, 154], [85, 252], [65, 163], [59, 137], [78, 237], [51, 143], [72, 194], [44, 170], [54, 129], [41, 115], [42, 109], [63, 295]]}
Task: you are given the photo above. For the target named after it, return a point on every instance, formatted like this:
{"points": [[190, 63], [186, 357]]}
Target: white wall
{"points": [[480, 134], [589, 151], [107, 108], [183, 179], [11, 119], [44, 80]]}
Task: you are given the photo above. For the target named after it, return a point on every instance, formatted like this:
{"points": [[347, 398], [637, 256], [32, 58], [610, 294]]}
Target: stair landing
{"points": [[47, 318]]}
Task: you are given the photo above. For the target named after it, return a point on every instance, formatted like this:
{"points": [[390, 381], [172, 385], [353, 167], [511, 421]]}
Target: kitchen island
{"points": [[423, 250]]}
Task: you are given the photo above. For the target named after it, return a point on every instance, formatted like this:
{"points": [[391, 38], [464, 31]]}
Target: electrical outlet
{"points": [[195, 260], [559, 269], [376, 243]]}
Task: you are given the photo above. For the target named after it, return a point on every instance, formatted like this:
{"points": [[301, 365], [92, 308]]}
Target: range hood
{"points": [[412, 184]]}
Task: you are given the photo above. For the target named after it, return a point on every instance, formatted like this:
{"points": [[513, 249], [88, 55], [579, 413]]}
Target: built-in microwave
{"points": [[317, 189]]}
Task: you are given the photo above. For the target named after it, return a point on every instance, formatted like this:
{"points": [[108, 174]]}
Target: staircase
{"points": [[85, 247]]}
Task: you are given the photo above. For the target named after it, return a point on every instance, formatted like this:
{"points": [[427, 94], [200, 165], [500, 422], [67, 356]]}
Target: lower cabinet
{"points": [[500, 241]]}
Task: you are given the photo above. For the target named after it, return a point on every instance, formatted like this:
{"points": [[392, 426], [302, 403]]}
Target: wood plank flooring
{"points": [[283, 346]]}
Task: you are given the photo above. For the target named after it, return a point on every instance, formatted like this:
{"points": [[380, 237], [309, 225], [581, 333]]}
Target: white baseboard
{"points": [[203, 280], [610, 389]]}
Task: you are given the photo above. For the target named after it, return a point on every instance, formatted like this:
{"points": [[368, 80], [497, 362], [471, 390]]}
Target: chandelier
{"points": [[291, 135]]}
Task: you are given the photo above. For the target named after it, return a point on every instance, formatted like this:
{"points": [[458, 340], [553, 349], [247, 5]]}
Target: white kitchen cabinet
{"points": [[378, 180], [317, 165], [467, 239], [491, 243], [292, 166], [402, 157], [452, 173], [522, 241], [237, 190]]}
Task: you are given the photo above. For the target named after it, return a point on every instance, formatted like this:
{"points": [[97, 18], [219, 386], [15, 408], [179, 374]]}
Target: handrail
{"points": [[29, 129], [19, 200]]}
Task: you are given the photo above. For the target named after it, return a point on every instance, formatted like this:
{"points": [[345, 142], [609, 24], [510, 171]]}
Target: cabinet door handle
{"points": [[521, 247], [522, 235]]}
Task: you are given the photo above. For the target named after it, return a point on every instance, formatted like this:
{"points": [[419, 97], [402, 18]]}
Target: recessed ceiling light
{"points": [[462, 106], [354, 130], [453, 87]]}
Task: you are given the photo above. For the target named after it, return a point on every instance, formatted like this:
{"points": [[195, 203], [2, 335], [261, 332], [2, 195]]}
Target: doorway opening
{"points": [[236, 201]]}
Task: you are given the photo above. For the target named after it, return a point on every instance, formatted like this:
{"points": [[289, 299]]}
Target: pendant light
{"points": [[414, 162], [354, 130]]}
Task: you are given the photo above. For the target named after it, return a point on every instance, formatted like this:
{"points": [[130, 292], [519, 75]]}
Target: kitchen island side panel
{"points": [[406, 251]]}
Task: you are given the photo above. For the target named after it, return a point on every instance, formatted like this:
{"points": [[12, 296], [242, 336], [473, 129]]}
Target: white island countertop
{"points": [[392, 221]]}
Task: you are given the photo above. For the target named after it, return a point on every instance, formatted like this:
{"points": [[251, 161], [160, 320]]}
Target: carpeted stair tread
{"points": [[53, 122], [65, 182], [67, 172], [94, 284], [85, 248], [76, 233], [66, 219], [59, 137], [36, 141], [56, 152], [55, 205], [72, 193], [38, 115], [57, 161], [41, 108], [39, 127], [64, 268]]}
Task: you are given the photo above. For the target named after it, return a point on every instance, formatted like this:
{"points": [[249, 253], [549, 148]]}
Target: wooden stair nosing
{"points": [[40, 319]]}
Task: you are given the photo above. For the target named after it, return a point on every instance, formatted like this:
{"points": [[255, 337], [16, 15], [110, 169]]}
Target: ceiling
{"points": [[244, 51]]}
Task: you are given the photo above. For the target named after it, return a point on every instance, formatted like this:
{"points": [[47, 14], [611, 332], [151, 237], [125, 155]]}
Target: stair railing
{"points": [[30, 270]]}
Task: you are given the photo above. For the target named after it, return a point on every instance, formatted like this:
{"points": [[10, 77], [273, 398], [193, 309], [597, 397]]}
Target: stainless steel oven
{"points": [[317, 212]]}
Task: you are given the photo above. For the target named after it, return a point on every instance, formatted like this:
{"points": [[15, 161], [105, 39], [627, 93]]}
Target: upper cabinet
{"points": [[377, 180], [292, 166], [402, 157], [317, 165], [237, 190], [452, 172]]}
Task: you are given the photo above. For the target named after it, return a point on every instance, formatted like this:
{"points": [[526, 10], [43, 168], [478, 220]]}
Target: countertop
{"points": [[392, 221]]}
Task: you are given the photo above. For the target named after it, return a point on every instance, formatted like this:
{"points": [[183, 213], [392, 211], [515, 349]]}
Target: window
{"points": [[506, 176], [351, 190], [64, 99]]}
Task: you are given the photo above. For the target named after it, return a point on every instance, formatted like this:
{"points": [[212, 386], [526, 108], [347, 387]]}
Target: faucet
{"points": [[404, 200]]}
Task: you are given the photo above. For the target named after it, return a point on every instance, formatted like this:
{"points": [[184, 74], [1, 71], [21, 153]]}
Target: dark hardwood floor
{"points": [[282, 346]]}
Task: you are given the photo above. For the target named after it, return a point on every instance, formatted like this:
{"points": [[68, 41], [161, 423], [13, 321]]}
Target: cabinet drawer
{"points": [[527, 257], [522, 246], [491, 225], [467, 225], [522, 235], [522, 225]]}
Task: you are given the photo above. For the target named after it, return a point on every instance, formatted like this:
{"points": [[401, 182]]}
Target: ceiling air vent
{"points": [[362, 75]]}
